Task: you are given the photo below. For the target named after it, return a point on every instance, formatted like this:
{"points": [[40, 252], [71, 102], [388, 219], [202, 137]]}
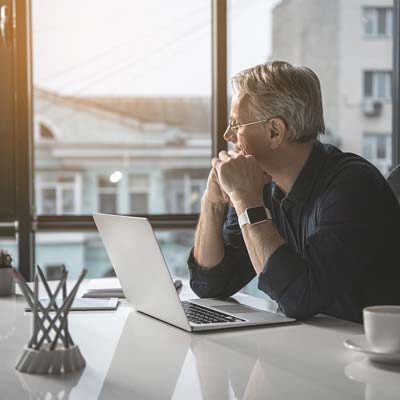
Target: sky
{"points": [[141, 48]]}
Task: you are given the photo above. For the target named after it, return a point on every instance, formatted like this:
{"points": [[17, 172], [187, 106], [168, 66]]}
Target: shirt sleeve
{"points": [[348, 240], [234, 271]]}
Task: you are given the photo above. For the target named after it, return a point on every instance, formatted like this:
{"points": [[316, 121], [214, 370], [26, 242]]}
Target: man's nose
{"points": [[229, 135]]}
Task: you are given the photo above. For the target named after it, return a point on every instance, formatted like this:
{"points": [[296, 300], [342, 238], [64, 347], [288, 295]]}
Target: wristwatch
{"points": [[254, 215]]}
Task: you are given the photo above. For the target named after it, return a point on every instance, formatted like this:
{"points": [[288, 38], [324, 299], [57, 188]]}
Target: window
{"points": [[53, 272], [186, 197], [57, 193], [355, 75], [124, 97], [123, 100], [377, 21], [377, 84], [377, 148], [77, 250], [139, 194], [107, 195], [133, 99]]}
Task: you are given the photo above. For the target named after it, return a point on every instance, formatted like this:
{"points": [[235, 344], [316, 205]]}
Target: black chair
{"points": [[394, 181]]}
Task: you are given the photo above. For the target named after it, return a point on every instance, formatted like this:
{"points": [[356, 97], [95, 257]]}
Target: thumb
{"points": [[267, 178]]}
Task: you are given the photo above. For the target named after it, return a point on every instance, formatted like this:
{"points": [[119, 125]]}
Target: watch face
{"points": [[256, 214]]}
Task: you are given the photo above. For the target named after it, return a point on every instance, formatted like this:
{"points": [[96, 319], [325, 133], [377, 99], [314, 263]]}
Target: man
{"points": [[317, 226]]}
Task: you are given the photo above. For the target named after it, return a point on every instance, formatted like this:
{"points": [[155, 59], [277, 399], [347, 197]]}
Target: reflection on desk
{"points": [[133, 356], [382, 381], [151, 362]]}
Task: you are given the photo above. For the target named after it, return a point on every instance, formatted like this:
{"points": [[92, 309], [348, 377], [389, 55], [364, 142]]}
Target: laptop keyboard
{"points": [[204, 315]]}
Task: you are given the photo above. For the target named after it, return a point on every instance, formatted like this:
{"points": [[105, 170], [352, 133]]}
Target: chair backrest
{"points": [[394, 181]]}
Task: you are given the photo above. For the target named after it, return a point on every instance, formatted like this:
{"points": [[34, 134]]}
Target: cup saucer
{"points": [[359, 343]]}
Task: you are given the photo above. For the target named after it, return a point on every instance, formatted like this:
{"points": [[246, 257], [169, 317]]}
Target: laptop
{"points": [[148, 286]]}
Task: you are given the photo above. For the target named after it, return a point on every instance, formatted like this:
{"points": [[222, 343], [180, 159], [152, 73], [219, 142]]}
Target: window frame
{"points": [[373, 141], [25, 216], [374, 10], [7, 131], [396, 84], [59, 187], [29, 222], [375, 78], [143, 189]]}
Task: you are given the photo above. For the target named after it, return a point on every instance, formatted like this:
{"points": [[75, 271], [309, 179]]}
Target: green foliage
{"points": [[5, 259]]}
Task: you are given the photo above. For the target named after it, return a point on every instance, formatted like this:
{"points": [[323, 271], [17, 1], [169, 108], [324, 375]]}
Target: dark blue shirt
{"points": [[341, 223]]}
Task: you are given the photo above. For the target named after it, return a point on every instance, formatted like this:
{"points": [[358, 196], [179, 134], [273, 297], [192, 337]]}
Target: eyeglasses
{"points": [[234, 127]]}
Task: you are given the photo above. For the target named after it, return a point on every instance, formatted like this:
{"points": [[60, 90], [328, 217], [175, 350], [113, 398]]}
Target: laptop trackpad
{"points": [[235, 309]]}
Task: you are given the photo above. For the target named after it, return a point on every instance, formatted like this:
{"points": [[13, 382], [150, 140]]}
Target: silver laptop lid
{"points": [[140, 267]]}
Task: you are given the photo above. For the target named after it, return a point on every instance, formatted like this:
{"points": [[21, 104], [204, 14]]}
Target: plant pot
{"points": [[7, 285]]}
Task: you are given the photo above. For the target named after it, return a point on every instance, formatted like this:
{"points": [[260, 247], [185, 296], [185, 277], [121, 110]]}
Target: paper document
{"points": [[110, 287], [85, 304], [104, 287]]}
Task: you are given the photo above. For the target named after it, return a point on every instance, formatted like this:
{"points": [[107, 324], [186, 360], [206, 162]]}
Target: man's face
{"points": [[247, 140]]}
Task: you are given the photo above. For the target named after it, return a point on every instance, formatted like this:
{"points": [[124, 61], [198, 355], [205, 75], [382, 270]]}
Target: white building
{"points": [[348, 43], [117, 155]]}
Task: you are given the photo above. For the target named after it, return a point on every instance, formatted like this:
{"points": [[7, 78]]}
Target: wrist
{"points": [[207, 201], [212, 206], [241, 204]]}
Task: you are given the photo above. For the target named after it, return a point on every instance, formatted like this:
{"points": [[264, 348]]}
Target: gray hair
{"points": [[277, 89]]}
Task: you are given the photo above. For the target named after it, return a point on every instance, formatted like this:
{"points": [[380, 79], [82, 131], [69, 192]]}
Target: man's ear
{"points": [[277, 132]]}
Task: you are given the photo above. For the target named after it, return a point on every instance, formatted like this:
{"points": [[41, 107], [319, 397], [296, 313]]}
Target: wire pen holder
{"points": [[51, 349]]}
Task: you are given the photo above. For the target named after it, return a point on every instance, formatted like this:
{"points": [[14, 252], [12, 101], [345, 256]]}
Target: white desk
{"points": [[132, 356]]}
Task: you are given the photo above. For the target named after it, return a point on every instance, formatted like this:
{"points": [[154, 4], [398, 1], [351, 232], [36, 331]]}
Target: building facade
{"points": [[117, 155], [349, 45]]}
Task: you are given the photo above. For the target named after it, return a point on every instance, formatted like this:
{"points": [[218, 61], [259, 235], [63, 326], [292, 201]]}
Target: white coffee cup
{"points": [[382, 328]]}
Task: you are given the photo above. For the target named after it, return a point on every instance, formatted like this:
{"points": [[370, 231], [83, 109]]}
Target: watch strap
{"points": [[244, 219]]}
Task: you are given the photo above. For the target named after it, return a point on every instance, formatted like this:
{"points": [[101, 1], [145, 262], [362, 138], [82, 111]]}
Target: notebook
{"points": [[105, 287], [86, 304], [110, 287]]}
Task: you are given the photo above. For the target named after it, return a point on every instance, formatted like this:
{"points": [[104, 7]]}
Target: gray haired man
{"points": [[317, 227]]}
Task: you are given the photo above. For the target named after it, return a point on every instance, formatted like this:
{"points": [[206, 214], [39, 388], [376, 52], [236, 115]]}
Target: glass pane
{"points": [[369, 145], [104, 182], [195, 197], [139, 182], [289, 31], [382, 21], [121, 100], [368, 20], [381, 84], [77, 250], [381, 150], [49, 201], [68, 201], [108, 203], [389, 22], [368, 84], [139, 203]]}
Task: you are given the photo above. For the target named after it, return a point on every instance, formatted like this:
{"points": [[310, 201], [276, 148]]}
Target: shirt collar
{"points": [[304, 184]]}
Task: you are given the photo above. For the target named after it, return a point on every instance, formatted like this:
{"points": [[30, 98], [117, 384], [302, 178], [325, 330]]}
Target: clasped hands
{"points": [[235, 178]]}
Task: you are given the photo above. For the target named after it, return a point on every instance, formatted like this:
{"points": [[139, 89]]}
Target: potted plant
{"points": [[7, 286]]}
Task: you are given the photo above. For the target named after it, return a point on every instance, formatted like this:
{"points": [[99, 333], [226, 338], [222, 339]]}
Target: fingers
{"points": [[223, 156], [215, 162], [233, 154]]}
